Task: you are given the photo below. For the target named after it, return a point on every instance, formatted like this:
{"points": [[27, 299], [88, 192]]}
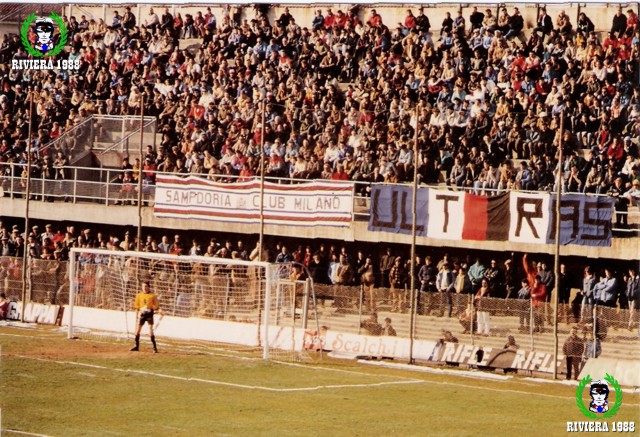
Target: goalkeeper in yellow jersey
{"points": [[146, 304]]}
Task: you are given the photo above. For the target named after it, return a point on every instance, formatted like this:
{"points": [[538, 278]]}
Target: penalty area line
{"points": [[223, 383], [470, 375], [15, 431]]}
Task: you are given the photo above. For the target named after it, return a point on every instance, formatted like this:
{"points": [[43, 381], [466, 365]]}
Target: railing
{"points": [[79, 135], [116, 132], [101, 185], [130, 134]]}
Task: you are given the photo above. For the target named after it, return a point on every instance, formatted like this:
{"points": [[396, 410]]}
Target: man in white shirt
{"points": [[152, 20]]}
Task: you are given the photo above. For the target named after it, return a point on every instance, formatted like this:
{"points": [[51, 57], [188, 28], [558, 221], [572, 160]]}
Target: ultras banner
{"points": [[309, 204], [513, 216]]}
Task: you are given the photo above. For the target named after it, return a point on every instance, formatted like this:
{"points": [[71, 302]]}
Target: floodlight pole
{"points": [[261, 238], [267, 288], [139, 244], [557, 253], [414, 218], [27, 194]]}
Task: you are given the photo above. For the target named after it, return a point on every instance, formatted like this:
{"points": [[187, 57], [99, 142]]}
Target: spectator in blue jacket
{"points": [[476, 273], [606, 291]]}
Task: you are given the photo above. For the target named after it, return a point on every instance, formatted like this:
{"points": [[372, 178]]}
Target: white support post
{"points": [[267, 309], [72, 293], [75, 185]]}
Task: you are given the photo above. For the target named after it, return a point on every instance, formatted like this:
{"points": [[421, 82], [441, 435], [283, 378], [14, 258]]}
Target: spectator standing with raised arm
{"points": [[539, 299]]}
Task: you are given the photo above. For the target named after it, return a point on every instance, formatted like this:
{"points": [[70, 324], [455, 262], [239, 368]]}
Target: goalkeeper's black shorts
{"points": [[146, 318]]}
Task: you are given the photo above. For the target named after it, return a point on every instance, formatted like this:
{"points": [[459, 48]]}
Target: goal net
{"points": [[204, 301]]}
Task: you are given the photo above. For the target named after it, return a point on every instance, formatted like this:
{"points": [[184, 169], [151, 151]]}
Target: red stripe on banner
{"points": [[311, 186], [188, 214], [205, 183], [475, 218]]}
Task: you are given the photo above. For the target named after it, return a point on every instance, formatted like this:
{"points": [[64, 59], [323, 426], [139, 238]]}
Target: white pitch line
{"points": [[29, 336], [353, 372], [223, 383], [425, 369], [506, 390], [15, 431]]}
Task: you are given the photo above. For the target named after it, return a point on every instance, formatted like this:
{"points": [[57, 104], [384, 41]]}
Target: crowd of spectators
{"points": [[343, 267], [343, 94]]}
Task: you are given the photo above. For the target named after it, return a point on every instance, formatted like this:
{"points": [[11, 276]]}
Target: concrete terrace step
{"points": [[619, 343], [190, 44]]}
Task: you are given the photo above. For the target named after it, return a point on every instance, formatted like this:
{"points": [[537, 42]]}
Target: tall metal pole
{"points": [[414, 219], [261, 239], [139, 244], [557, 254], [27, 194]]}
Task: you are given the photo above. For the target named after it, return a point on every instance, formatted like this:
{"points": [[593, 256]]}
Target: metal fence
{"points": [[47, 280], [488, 322]]}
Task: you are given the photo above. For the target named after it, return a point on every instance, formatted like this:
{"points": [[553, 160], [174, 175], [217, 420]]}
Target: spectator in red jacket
{"points": [[538, 293], [409, 20], [329, 19], [375, 19], [538, 298]]}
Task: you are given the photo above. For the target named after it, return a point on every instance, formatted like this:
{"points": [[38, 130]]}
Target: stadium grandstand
{"points": [[482, 106]]}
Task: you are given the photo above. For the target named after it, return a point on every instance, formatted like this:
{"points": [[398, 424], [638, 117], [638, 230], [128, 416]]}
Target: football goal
{"points": [[203, 299]]}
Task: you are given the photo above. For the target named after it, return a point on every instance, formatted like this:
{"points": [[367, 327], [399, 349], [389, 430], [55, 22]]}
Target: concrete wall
{"points": [[600, 14], [626, 248]]}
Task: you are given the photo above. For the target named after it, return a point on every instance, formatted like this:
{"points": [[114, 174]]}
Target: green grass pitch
{"points": [[57, 387]]}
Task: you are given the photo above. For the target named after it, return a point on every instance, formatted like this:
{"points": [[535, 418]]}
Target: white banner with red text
{"points": [[326, 203]]}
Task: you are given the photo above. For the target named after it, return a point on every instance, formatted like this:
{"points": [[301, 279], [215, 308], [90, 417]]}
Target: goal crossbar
{"points": [[202, 289]]}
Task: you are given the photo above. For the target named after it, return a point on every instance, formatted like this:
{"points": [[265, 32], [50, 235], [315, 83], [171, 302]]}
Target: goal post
{"points": [[203, 299]]}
